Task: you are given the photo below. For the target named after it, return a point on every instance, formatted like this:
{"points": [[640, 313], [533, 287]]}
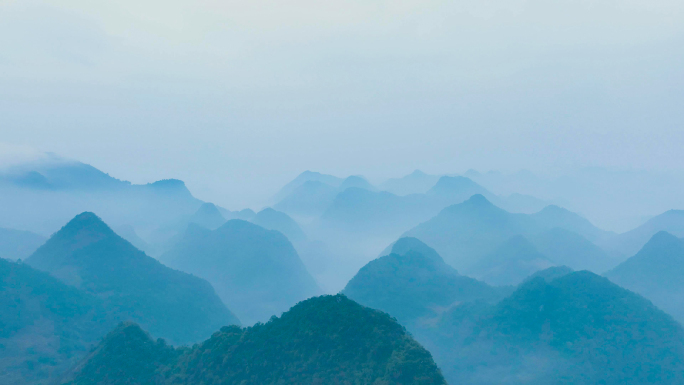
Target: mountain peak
{"points": [[407, 244], [478, 200], [452, 184], [355, 181], [168, 184], [87, 221], [209, 216], [663, 237], [554, 209]]}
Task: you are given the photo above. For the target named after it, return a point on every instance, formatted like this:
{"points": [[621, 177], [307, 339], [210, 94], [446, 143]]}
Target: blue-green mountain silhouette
{"points": [[578, 328], [413, 282], [323, 340], [46, 326], [275, 220], [511, 262], [88, 255], [18, 244], [255, 271], [465, 233], [656, 272], [416, 182]]}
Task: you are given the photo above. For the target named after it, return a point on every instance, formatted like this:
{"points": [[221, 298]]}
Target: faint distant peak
{"points": [[662, 238], [549, 274], [208, 208], [356, 181], [553, 209], [455, 184], [672, 213], [519, 243], [208, 215], [309, 174], [408, 244], [472, 173], [168, 184], [268, 211], [478, 200]]}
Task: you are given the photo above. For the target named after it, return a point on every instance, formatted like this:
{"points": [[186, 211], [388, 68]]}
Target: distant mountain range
{"points": [[324, 340], [256, 272], [311, 193], [41, 196], [466, 234], [416, 182]]}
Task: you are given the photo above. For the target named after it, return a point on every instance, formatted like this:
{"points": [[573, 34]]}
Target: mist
{"points": [[253, 93], [342, 192]]}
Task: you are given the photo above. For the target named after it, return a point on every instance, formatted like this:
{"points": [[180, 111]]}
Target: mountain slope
{"points": [[255, 271], [512, 262], [410, 285], [416, 182], [631, 242], [305, 177], [209, 216], [553, 216], [656, 272], [87, 254], [456, 189], [324, 340], [275, 220], [42, 196], [578, 328], [17, 244], [45, 325], [356, 181], [565, 247], [464, 233], [308, 200]]}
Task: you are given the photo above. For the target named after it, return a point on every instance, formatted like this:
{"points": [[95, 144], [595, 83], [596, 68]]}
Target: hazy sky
{"points": [[238, 97]]}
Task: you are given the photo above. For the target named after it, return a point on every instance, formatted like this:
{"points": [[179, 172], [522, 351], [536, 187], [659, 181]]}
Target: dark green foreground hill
{"points": [[323, 340]]}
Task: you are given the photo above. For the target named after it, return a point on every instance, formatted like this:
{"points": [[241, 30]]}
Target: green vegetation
{"points": [[323, 340]]}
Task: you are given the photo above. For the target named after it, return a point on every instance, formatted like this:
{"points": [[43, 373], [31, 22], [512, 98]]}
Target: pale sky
{"points": [[238, 97]]}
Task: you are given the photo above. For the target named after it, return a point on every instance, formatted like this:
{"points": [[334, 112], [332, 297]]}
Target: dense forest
{"points": [[323, 340]]}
